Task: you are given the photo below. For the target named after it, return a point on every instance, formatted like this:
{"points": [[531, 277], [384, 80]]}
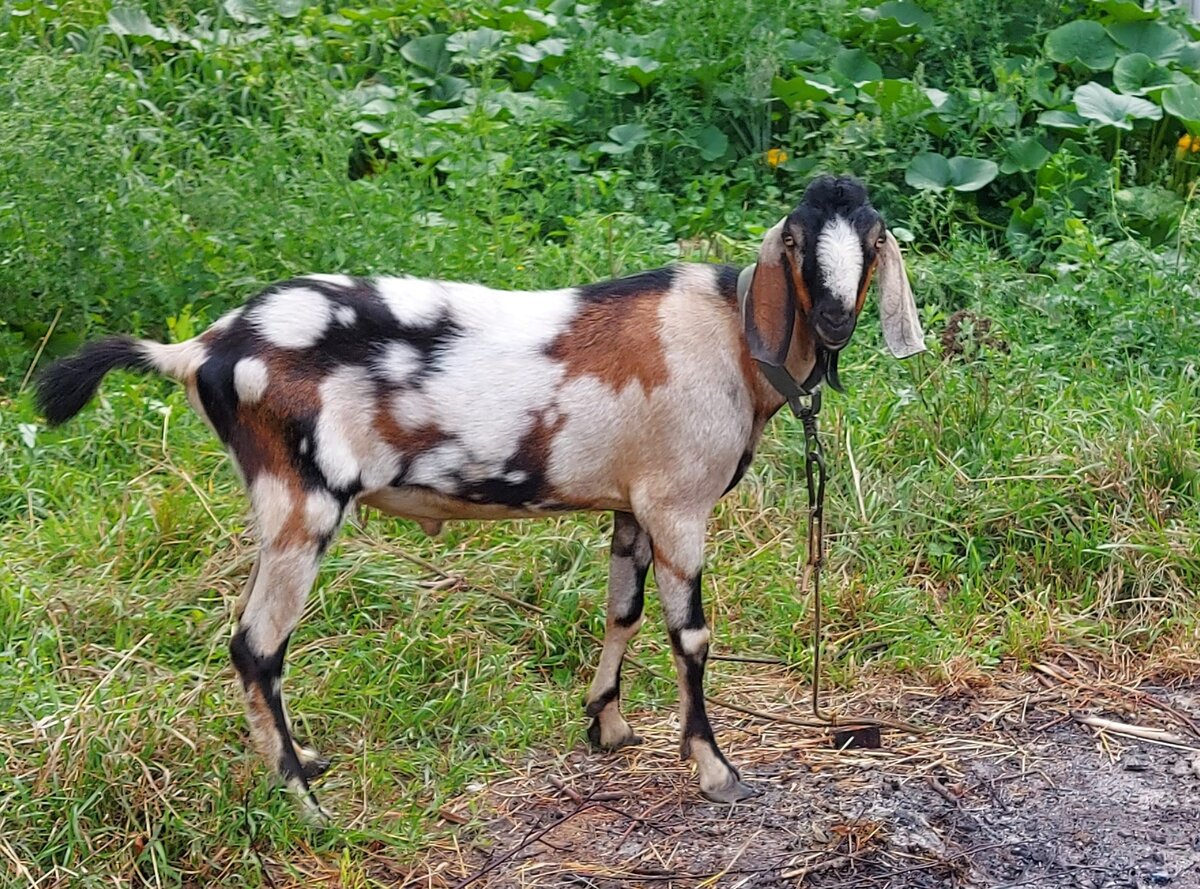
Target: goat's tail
{"points": [[69, 383]]}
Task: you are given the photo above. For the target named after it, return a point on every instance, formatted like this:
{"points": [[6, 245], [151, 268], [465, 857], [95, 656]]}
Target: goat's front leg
{"points": [[629, 562], [678, 544]]}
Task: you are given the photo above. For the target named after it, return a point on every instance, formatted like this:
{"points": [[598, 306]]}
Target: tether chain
{"points": [[814, 474]]}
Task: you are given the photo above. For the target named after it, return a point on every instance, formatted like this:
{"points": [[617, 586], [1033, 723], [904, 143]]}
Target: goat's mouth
{"points": [[834, 339]]}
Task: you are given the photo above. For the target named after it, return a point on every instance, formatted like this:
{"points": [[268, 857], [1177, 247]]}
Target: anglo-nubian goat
{"points": [[433, 401]]}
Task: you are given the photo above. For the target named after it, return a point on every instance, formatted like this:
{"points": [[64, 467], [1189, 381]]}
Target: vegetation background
{"points": [[1033, 482]]}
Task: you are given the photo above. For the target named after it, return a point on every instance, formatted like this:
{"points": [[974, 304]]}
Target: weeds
{"points": [[1034, 480]]}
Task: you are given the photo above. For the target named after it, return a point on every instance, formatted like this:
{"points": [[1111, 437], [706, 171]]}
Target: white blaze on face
{"points": [[840, 259]]}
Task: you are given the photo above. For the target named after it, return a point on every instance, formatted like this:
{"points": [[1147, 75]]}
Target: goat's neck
{"points": [[801, 359]]}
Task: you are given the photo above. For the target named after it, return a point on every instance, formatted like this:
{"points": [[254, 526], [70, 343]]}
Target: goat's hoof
{"points": [[735, 790], [593, 736], [314, 813]]}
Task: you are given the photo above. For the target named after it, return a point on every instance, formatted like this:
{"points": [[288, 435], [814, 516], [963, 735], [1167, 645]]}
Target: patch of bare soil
{"points": [[1009, 787]]}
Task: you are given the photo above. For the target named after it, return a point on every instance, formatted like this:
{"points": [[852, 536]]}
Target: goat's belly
{"points": [[425, 505]]}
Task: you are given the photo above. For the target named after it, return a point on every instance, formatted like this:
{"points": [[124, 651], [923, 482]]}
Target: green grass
{"points": [[1005, 504], [1036, 490]]}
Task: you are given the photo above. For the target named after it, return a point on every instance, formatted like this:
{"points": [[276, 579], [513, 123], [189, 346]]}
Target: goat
{"points": [[645, 396]]}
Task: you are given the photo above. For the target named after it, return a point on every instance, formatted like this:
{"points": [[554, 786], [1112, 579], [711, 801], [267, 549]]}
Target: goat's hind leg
{"points": [[270, 609], [312, 764]]}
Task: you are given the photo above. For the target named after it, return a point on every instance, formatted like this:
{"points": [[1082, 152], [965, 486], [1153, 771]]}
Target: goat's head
{"points": [[813, 269]]}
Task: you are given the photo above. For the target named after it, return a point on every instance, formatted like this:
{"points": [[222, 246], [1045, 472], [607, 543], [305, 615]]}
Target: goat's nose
{"points": [[835, 316], [834, 323]]}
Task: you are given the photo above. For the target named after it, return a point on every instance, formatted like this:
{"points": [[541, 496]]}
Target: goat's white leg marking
{"points": [[678, 542], [629, 562], [269, 610]]}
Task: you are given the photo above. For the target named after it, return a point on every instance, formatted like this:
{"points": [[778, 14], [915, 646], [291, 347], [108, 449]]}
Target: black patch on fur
{"points": [[525, 462], [740, 472], [68, 384], [214, 378], [499, 490], [593, 708], [262, 671], [653, 281], [624, 526], [695, 721], [727, 278], [695, 619], [373, 329], [620, 550], [632, 616]]}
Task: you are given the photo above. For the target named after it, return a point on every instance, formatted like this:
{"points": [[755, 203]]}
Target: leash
{"points": [[814, 476], [804, 398]]}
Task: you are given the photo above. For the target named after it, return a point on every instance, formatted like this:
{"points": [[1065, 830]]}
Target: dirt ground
{"points": [[1007, 788]]}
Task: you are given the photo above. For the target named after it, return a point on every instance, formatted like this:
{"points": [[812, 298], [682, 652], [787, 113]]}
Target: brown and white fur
{"points": [[438, 401]]}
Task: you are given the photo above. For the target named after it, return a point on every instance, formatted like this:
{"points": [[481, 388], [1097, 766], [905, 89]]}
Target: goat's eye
{"points": [[880, 241], [788, 240]]}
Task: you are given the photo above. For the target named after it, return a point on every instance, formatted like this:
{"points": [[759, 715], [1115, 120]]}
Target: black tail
{"points": [[68, 384]]}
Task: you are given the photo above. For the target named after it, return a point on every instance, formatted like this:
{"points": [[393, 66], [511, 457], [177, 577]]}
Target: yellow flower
{"points": [[1185, 142], [776, 156]]}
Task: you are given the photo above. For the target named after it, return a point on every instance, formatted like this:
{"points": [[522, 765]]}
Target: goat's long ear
{"points": [[897, 309], [769, 311]]}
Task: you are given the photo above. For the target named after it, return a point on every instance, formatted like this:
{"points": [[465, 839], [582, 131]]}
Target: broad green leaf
{"points": [[378, 108], [712, 143], [1024, 156], [629, 133], [971, 173], [1189, 57], [133, 22], [813, 47], [474, 45], [856, 66], [639, 69], [289, 9], [618, 85], [447, 89], [1150, 210], [1183, 101], [553, 47], [939, 98], [428, 52], [246, 11], [1137, 74], [928, 172], [1063, 120], [527, 52], [1085, 42], [889, 93], [801, 89], [1125, 10], [1154, 39], [905, 12], [1097, 102]]}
